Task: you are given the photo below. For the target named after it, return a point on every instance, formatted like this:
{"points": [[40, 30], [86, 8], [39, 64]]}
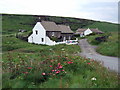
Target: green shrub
{"points": [[54, 38]]}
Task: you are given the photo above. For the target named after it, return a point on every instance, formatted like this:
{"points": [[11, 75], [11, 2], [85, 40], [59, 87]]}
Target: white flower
{"points": [[63, 49], [20, 61], [12, 62], [93, 78], [50, 49]]}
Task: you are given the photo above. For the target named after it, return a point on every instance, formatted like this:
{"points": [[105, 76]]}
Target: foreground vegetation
{"points": [[108, 47], [39, 66]]}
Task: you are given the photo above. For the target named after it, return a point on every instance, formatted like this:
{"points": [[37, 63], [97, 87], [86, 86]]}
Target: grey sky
{"points": [[103, 10]]}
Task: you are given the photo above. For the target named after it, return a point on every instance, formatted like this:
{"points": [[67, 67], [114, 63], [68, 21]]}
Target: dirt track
{"points": [[88, 51]]}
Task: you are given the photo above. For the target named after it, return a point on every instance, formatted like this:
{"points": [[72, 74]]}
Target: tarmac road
{"points": [[88, 51]]}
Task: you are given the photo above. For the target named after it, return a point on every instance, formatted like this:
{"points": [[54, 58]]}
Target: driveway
{"points": [[88, 51]]}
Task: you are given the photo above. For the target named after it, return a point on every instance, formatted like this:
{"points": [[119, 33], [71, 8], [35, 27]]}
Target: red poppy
{"points": [[29, 67], [88, 63]]}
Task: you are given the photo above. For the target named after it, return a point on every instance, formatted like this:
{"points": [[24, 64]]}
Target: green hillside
{"points": [[11, 23], [106, 27]]}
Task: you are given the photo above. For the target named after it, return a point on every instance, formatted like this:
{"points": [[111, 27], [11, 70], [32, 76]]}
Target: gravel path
{"points": [[88, 51]]}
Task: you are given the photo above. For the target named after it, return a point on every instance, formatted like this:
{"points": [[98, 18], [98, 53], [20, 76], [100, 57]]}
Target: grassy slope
{"points": [[108, 48], [12, 23], [103, 26]]}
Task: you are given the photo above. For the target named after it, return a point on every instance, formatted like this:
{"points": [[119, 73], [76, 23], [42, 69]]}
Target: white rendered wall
{"points": [[41, 33], [49, 42], [87, 32]]}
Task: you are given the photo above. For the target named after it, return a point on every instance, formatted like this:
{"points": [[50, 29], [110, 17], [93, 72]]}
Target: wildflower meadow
{"points": [[60, 66]]}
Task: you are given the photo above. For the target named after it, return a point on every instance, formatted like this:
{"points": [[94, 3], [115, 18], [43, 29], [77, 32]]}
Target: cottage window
{"points": [[53, 33], [42, 39], [36, 32]]}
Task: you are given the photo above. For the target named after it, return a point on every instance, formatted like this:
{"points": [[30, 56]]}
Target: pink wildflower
{"points": [[51, 60], [60, 66], [65, 62], [58, 71], [25, 72], [58, 56], [53, 70], [69, 62], [63, 70], [88, 63], [43, 74], [50, 66], [29, 68]]}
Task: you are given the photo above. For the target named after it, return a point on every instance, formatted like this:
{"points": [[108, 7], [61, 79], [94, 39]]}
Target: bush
{"points": [[54, 38]]}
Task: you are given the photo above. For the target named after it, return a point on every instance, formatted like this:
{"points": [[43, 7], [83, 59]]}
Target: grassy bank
{"points": [[40, 66], [109, 47]]}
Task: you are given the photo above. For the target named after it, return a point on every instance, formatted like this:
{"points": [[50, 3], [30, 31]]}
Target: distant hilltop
{"points": [[13, 22]]}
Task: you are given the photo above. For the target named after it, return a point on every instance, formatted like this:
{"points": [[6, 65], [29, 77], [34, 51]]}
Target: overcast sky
{"points": [[103, 10]]}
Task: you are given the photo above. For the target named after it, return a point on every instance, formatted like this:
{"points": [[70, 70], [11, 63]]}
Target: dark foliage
{"points": [[102, 38]]}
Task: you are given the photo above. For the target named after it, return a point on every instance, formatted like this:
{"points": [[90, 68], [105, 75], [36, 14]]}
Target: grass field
{"points": [[108, 48], [39, 66]]}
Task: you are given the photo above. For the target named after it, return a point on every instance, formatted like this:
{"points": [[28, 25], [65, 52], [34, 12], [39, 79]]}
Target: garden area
{"points": [[26, 65]]}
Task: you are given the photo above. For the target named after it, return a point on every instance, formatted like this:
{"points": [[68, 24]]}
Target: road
{"points": [[88, 51]]}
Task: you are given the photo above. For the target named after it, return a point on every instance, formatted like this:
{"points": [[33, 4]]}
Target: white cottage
{"points": [[39, 35], [85, 32]]}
